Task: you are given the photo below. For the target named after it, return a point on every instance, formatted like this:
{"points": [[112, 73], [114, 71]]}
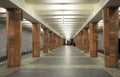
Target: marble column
{"points": [[45, 40], [36, 39], [93, 39], [14, 37], [111, 26]]}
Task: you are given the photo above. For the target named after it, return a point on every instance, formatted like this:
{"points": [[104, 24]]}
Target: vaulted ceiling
{"points": [[64, 17]]}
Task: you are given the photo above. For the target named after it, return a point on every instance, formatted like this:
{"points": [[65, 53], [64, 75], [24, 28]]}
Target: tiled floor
{"points": [[65, 61]]}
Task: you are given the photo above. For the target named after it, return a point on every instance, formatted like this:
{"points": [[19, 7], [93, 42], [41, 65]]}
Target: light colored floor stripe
{"points": [[65, 56], [61, 66]]}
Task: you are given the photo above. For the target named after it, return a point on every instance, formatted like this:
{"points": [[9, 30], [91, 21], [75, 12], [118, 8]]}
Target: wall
{"points": [[26, 41], [100, 41], [41, 41], [3, 40]]}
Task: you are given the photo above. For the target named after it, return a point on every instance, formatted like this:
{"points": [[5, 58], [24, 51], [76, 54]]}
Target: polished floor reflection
{"points": [[65, 61]]}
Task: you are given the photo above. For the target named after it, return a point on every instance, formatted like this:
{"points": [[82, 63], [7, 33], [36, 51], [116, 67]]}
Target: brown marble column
{"points": [[76, 41], [111, 26], [36, 39], [93, 39], [86, 40], [14, 37], [50, 41], [54, 41], [61, 42], [83, 42], [58, 41], [49, 38], [81, 39], [52, 37], [45, 44]]}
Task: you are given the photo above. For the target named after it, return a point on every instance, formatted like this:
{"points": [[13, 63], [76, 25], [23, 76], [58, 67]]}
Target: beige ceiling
{"points": [[65, 16]]}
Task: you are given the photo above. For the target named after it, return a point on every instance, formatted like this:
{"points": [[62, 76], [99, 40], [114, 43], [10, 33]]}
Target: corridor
{"points": [[59, 38], [65, 61]]}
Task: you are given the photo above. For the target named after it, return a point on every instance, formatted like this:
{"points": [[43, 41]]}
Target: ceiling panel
{"points": [[65, 7], [65, 16], [82, 12]]}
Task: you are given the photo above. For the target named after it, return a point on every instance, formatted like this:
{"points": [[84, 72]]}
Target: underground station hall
{"points": [[59, 38]]}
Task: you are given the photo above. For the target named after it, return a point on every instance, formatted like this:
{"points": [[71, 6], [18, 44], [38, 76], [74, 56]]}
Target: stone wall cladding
{"points": [[100, 41], [3, 40]]}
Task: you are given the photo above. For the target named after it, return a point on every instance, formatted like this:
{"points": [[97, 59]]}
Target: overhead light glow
{"points": [[42, 30], [24, 19], [65, 24], [75, 16], [67, 32], [67, 37], [62, 1], [64, 16], [2, 10], [27, 23], [100, 23]]}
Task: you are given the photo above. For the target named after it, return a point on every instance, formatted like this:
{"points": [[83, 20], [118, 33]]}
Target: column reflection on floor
{"points": [[65, 61]]}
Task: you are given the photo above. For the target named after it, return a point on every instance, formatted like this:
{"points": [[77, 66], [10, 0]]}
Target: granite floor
{"points": [[66, 61]]}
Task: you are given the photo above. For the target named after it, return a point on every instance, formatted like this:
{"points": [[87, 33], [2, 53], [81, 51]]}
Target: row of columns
{"points": [[87, 40], [51, 41], [14, 38]]}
